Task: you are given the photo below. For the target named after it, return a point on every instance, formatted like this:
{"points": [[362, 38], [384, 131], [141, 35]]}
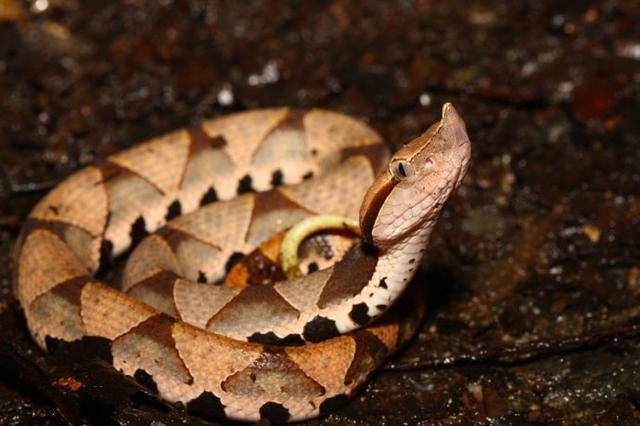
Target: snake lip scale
{"points": [[189, 205]]}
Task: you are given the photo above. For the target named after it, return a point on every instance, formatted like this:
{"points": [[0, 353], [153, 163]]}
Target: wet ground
{"points": [[534, 274]]}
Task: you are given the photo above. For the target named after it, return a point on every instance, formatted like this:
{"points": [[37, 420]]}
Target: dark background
{"points": [[534, 272]]}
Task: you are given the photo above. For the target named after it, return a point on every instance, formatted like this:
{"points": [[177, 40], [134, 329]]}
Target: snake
{"points": [[189, 206]]}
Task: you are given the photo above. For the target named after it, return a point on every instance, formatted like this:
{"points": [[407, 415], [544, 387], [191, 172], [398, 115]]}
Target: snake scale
{"points": [[189, 205]]}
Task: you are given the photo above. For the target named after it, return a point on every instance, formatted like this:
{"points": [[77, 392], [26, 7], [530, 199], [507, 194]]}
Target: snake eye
{"points": [[402, 169]]}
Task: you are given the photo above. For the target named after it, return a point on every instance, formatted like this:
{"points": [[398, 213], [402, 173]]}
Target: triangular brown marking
{"points": [[160, 283], [370, 352], [174, 237], [293, 120], [32, 224], [349, 276], [71, 290], [58, 228], [201, 140], [112, 172], [376, 154], [270, 201], [260, 301], [273, 366], [54, 316], [159, 329]]}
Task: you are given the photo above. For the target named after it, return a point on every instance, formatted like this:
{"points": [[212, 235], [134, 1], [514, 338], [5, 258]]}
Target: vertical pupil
{"points": [[401, 170]]}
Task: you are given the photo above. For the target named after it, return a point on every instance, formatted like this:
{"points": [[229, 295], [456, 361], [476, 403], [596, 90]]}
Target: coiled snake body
{"points": [[277, 350]]}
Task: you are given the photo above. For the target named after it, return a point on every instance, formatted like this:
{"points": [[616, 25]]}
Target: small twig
{"points": [[509, 355]]}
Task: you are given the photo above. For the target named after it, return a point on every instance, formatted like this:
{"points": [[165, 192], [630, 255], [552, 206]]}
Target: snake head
{"points": [[407, 198]]}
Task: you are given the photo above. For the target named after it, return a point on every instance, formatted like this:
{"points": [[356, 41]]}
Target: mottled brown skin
{"points": [[205, 345]]}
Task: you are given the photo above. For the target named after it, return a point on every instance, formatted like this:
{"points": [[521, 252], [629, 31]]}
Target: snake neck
{"points": [[384, 276], [398, 262]]}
